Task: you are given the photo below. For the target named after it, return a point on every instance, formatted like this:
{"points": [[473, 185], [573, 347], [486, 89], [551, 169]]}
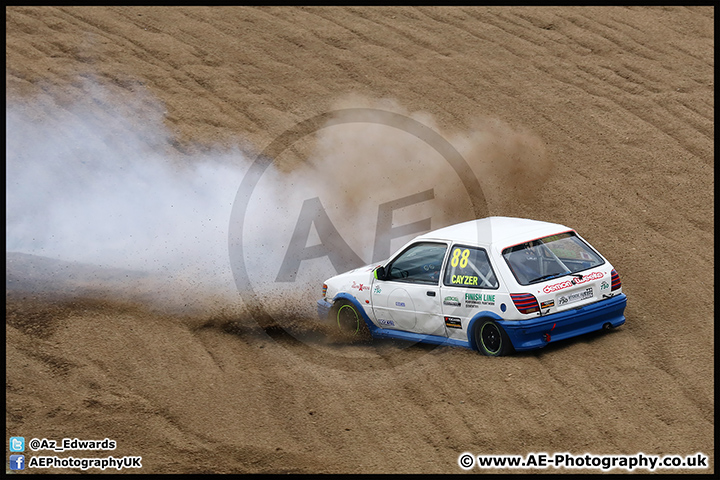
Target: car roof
{"points": [[498, 231]]}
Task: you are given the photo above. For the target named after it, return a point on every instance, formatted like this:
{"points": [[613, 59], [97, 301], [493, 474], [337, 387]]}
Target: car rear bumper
{"points": [[538, 332]]}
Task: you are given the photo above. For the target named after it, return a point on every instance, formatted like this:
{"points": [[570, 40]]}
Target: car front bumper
{"points": [[538, 332], [323, 308]]}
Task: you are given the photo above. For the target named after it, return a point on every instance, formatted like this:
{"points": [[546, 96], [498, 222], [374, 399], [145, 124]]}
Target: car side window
{"points": [[420, 263], [469, 267]]}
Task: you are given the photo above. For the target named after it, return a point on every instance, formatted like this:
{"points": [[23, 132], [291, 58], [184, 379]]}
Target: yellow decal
{"points": [[460, 257], [464, 280]]}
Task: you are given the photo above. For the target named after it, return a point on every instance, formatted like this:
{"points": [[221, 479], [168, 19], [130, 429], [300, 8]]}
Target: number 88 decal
{"points": [[460, 257]]}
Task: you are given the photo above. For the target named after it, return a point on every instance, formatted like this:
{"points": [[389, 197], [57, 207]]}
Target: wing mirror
{"points": [[380, 273]]}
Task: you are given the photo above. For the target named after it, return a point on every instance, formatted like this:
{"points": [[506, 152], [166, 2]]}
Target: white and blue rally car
{"points": [[496, 285]]}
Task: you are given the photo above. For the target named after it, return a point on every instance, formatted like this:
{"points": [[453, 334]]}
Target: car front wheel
{"points": [[349, 321], [491, 339]]}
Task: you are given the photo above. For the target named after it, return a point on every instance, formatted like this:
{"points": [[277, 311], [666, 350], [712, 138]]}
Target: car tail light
{"points": [[525, 302], [324, 290], [616, 283]]}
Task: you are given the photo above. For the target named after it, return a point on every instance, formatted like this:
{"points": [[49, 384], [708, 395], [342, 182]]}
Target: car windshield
{"points": [[550, 257]]}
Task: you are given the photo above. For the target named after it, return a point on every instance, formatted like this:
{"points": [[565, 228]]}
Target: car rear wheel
{"points": [[491, 339], [349, 321]]}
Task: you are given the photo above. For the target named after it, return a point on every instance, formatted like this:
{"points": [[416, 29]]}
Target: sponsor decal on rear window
{"points": [[570, 283]]}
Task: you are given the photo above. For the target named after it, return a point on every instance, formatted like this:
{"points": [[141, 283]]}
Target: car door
{"points": [[469, 286], [408, 298]]}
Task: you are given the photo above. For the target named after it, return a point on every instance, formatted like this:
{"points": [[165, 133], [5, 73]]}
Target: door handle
{"points": [[430, 294]]}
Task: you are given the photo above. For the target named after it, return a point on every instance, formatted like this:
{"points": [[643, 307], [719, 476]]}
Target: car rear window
{"points": [[549, 257]]}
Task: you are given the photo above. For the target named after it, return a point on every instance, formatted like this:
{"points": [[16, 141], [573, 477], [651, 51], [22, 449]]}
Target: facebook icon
{"points": [[17, 462]]}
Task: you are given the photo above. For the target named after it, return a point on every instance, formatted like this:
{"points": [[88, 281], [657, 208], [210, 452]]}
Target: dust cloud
{"points": [[99, 182], [511, 163]]}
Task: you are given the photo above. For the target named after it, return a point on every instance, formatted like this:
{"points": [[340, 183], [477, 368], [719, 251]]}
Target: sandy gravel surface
{"points": [[130, 130]]}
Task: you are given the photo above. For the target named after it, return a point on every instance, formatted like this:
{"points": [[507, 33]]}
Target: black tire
{"points": [[349, 321], [491, 339]]}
